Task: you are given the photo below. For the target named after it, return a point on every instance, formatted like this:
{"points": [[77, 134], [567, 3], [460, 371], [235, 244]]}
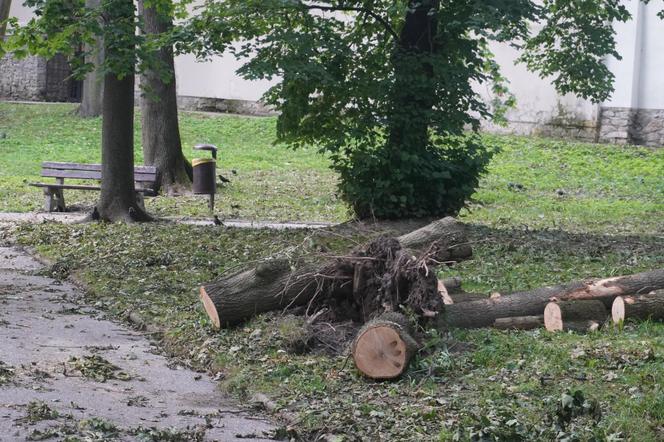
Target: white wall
{"points": [[19, 11], [640, 72], [216, 79], [537, 102], [651, 84]]}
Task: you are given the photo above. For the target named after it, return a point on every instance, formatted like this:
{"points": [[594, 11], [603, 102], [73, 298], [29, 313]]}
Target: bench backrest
{"points": [[143, 175]]}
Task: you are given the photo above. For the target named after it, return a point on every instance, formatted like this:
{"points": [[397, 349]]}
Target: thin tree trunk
{"points": [[93, 84], [162, 146], [5, 6]]}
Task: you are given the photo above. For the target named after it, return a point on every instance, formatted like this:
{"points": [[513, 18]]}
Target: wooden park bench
{"points": [[144, 181]]}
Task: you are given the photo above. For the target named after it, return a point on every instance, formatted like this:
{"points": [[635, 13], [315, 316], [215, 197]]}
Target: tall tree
{"points": [[5, 6], [118, 197], [93, 83], [68, 25], [162, 146], [386, 87]]}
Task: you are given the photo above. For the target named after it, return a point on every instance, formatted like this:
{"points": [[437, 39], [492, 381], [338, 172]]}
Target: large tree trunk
{"points": [[484, 313], [162, 146], [411, 102], [118, 197], [93, 84], [5, 6], [352, 279]]}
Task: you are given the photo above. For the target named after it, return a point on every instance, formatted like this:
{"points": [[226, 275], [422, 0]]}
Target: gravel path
{"points": [[65, 371]]}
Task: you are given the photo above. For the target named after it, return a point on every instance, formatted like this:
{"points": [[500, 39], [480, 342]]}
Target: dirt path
{"points": [[51, 346], [74, 217]]}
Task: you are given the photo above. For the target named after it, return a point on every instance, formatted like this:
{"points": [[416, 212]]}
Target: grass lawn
{"points": [[272, 182], [607, 219]]}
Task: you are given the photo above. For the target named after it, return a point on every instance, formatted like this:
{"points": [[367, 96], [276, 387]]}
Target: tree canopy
{"points": [[388, 88]]}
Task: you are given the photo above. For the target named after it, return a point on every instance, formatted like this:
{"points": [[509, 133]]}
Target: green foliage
{"points": [[386, 86], [442, 176], [70, 28]]}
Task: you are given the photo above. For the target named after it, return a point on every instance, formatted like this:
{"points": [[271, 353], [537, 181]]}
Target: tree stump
{"points": [[644, 307], [574, 315], [384, 347]]}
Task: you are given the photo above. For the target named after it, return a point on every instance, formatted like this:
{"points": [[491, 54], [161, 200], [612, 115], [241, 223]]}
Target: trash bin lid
{"points": [[197, 161]]}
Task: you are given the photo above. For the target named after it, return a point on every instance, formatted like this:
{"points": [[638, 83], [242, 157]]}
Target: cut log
{"points": [[452, 285], [569, 315], [384, 347], [278, 283], [519, 323], [467, 297], [643, 307], [483, 313]]}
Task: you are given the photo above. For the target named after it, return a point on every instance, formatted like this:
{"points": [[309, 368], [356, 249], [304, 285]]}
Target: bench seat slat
{"points": [[80, 187], [92, 167], [66, 186], [91, 175]]}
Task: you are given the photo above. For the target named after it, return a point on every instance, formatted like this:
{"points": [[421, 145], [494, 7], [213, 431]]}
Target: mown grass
{"points": [[607, 220]]}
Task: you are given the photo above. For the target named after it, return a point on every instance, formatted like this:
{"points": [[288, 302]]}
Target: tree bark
{"points": [[484, 313], [650, 306], [559, 315], [410, 115], [273, 284], [93, 84], [118, 197], [384, 347], [519, 323], [5, 6], [162, 146]]}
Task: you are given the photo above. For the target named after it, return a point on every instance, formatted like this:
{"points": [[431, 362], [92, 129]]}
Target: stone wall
{"points": [[36, 79], [648, 127], [583, 130], [204, 104], [22, 79], [623, 125]]}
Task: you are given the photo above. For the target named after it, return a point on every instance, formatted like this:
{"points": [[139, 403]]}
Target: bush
{"points": [[395, 183]]}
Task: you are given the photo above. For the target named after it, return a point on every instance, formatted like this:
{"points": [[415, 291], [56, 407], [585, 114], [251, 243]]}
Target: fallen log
{"points": [[483, 313], [572, 315], [384, 271], [384, 347], [650, 306], [519, 323]]}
